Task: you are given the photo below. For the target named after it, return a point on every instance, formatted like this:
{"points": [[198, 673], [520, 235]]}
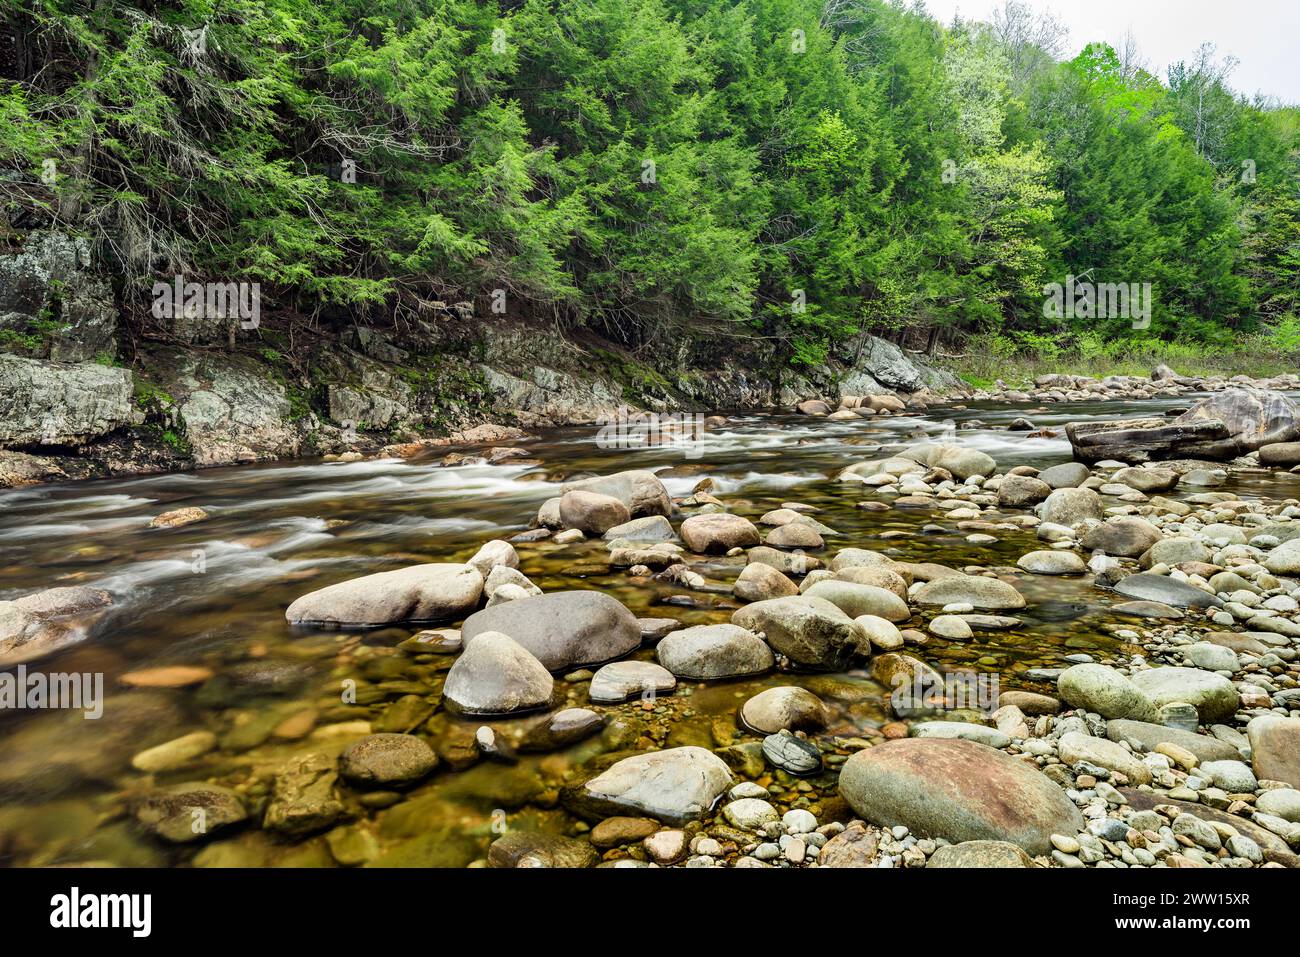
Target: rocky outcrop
{"points": [[55, 404], [52, 304]]}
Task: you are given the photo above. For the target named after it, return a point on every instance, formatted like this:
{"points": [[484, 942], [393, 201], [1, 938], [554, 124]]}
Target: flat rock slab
{"points": [[1274, 848], [1148, 587], [1144, 735]]}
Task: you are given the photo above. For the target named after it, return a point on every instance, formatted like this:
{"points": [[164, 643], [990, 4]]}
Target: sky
{"points": [[1264, 35]]}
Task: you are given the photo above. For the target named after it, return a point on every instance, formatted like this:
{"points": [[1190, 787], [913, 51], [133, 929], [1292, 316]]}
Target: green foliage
{"points": [[664, 171]]}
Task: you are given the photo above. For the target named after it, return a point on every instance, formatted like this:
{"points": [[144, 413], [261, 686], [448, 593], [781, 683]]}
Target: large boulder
{"points": [[1070, 506], [640, 490], [1282, 454], [810, 631], [1253, 418], [1125, 536], [1213, 695], [563, 629], [1162, 588], [758, 582], [1065, 475], [435, 592], [961, 462], [1145, 736], [718, 532], [592, 512], [957, 790], [710, 652], [673, 786], [52, 403], [856, 599], [990, 594], [1275, 748], [496, 675], [1019, 491], [53, 274], [1106, 692]]}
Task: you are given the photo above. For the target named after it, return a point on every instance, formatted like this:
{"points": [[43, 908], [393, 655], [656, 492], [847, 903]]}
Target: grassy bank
{"points": [[1018, 361]]}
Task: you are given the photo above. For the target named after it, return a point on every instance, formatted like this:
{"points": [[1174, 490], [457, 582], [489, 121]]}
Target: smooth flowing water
{"points": [[213, 594]]}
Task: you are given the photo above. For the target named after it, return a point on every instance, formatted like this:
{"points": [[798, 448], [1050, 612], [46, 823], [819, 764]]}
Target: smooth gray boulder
{"points": [[1170, 591], [1106, 692], [563, 629], [710, 652], [496, 675], [1213, 695], [638, 489], [989, 594], [810, 631], [673, 786], [434, 592]]}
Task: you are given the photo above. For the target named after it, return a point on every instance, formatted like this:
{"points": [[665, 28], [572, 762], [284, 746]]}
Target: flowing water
{"points": [[213, 594]]}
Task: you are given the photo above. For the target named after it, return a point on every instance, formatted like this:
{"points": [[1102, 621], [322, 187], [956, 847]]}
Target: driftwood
{"points": [[1141, 440]]}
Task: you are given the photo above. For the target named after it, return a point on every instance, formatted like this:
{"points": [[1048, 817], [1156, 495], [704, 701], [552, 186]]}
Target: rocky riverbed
{"points": [[897, 637]]}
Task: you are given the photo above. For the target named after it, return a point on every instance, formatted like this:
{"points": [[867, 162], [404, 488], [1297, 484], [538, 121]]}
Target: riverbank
{"points": [[892, 606]]}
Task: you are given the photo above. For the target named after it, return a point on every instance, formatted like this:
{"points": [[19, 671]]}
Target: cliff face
{"points": [[73, 403]]}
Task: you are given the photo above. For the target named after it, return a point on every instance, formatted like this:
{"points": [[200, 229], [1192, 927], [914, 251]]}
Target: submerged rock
{"points": [[622, 680], [189, 812], [380, 760]]}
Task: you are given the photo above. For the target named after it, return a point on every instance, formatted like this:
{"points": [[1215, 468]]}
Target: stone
{"points": [[666, 847], [718, 532], [750, 814], [1052, 562], [1213, 695], [1105, 691], [1281, 802], [1147, 736], [674, 786], [1075, 747], [1070, 506], [591, 512], [562, 729], [1275, 748], [710, 652], [961, 462], [563, 630], [640, 490], [178, 517], [539, 849], [1284, 454], [808, 630], [855, 846], [1161, 588], [617, 831], [497, 675], [1211, 657], [791, 753], [759, 582], [303, 797], [194, 811], [494, 555], [785, 707], [1124, 536], [387, 760], [962, 730], [959, 791], [1066, 475], [435, 592], [651, 528], [175, 753], [1147, 479], [1020, 491], [1235, 777], [990, 594], [950, 626], [63, 404], [621, 680], [882, 633], [980, 854], [1284, 559], [1029, 702], [856, 599]]}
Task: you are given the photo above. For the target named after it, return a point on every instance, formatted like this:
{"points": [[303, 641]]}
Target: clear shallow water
{"points": [[213, 594]]}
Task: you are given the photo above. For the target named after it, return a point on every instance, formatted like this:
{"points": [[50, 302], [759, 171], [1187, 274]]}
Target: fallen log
{"points": [[1142, 440]]}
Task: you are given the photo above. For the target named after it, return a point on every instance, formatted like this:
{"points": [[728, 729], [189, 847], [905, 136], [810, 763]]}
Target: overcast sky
{"points": [[1264, 35]]}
